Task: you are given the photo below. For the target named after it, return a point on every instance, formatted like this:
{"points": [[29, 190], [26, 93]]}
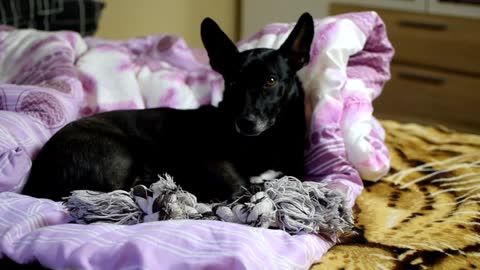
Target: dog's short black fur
{"points": [[210, 151]]}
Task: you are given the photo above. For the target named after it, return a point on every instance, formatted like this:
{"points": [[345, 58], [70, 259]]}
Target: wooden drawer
{"points": [[431, 97], [448, 43]]}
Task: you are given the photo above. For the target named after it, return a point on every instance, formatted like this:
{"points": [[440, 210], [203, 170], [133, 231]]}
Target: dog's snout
{"points": [[246, 124], [250, 126]]}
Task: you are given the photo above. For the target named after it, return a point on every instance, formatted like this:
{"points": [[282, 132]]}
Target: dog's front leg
{"points": [[225, 178]]}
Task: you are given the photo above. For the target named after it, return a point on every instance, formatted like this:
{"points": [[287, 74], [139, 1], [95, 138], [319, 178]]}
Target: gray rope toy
{"points": [[286, 203]]}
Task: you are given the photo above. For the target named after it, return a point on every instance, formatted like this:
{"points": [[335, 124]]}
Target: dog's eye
{"points": [[270, 82]]}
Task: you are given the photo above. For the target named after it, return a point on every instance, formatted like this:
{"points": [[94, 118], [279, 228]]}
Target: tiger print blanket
{"points": [[425, 214]]}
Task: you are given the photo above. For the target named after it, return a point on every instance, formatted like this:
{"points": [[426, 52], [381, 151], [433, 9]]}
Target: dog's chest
{"points": [[253, 156]]}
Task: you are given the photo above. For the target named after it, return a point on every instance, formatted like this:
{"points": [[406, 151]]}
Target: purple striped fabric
{"points": [[48, 79], [29, 233]]}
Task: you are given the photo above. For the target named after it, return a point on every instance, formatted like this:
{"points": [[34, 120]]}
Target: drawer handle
{"points": [[421, 78], [424, 25]]}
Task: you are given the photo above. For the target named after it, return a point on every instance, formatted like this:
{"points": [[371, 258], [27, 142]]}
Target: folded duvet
{"points": [[48, 79]]}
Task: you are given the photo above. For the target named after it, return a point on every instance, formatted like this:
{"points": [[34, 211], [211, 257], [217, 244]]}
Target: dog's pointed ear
{"points": [[221, 50], [297, 46]]}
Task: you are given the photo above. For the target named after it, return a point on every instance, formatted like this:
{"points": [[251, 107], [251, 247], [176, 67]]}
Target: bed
{"points": [[51, 78], [423, 214]]}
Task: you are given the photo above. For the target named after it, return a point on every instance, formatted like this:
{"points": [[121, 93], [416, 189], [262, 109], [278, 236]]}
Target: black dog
{"points": [[211, 152]]}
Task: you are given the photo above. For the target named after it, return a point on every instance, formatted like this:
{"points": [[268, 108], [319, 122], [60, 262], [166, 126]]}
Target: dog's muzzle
{"points": [[250, 126]]}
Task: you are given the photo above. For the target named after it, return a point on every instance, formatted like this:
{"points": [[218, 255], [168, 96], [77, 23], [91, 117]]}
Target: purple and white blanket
{"points": [[48, 79]]}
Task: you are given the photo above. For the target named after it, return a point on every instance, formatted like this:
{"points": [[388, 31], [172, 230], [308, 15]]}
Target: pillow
{"points": [[28, 117]]}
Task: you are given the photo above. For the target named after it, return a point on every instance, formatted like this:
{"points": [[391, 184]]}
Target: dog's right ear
{"points": [[297, 46], [221, 50]]}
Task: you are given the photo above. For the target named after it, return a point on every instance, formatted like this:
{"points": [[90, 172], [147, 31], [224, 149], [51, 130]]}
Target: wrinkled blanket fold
{"points": [[48, 79]]}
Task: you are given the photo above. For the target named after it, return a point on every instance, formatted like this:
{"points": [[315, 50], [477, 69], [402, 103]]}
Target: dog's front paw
{"points": [[266, 176]]}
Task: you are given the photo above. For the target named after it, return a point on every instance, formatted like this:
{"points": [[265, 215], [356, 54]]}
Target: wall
{"points": [[122, 19], [258, 13]]}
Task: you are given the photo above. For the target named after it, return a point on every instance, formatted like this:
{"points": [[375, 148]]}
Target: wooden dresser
{"points": [[435, 71]]}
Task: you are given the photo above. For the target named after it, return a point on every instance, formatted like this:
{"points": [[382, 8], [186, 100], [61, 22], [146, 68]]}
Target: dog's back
{"points": [[111, 150]]}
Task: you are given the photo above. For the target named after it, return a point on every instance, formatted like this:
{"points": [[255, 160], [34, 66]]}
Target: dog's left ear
{"points": [[221, 50], [297, 46]]}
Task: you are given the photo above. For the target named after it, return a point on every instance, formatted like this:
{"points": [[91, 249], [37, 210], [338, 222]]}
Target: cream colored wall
{"points": [[258, 13], [122, 19]]}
